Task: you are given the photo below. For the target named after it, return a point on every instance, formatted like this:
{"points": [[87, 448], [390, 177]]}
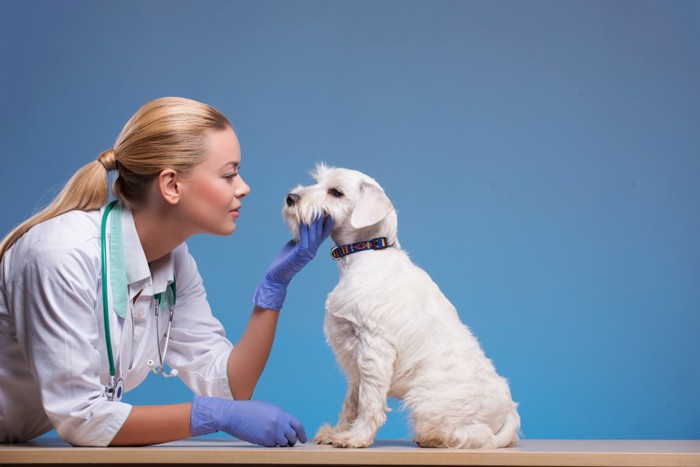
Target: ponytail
{"points": [[87, 189]]}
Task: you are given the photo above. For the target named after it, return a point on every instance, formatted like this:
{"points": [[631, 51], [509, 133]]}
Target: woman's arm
{"points": [[153, 424], [249, 356], [253, 421]]}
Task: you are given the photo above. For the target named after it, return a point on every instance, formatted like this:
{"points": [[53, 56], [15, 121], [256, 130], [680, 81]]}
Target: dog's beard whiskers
{"points": [[302, 215], [309, 214]]}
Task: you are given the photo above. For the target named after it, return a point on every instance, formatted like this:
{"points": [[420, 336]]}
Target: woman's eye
{"points": [[335, 192], [231, 176]]}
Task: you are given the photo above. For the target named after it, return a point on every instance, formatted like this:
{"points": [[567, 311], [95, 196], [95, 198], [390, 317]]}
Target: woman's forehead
{"points": [[223, 148]]}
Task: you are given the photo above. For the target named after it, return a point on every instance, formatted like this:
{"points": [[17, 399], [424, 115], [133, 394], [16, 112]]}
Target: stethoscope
{"points": [[114, 389]]}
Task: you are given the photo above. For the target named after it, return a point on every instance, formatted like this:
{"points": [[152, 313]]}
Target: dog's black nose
{"points": [[292, 199]]}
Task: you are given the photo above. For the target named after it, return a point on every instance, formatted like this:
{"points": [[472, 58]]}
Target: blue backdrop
{"points": [[544, 158]]}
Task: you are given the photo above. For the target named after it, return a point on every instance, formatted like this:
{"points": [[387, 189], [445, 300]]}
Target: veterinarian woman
{"points": [[65, 361]]}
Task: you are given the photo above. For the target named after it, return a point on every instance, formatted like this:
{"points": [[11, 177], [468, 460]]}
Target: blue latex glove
{"points": [[252, 421], [272, 291]]}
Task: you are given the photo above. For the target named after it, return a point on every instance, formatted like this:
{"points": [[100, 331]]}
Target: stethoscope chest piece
{"points": [[115, 390]]}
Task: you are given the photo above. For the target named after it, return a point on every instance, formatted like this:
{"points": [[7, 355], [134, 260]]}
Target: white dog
{"points": [[393, 331]]}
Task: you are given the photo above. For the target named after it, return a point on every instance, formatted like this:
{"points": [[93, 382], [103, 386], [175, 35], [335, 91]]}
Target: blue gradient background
{"points": [[544, 158]]}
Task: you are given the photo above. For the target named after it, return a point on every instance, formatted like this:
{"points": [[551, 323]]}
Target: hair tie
{"points": [[108, 160]]}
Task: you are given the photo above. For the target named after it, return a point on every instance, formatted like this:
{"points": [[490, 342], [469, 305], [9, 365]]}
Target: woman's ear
{"points": [[169, 186]]}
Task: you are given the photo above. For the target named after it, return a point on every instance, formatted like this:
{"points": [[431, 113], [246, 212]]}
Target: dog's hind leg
{"points": [[326, 433], [375, 363], [473, 436]]}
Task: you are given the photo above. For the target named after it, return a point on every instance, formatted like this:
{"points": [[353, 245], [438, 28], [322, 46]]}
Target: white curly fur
{"points": [[396, 335]]}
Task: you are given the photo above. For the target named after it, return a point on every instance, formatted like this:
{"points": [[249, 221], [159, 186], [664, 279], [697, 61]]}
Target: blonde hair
{"points": [[169, 132]]}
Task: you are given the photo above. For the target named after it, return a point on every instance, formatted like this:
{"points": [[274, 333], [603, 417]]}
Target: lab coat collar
{"points": [[153, 278]]}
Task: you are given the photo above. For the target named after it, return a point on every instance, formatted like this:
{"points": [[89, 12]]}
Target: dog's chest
{"points": [[350, 323], [370, 286], [343, 335], [348, 318]]}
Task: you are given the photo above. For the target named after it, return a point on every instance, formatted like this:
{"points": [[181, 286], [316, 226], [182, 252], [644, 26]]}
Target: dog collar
{"points": [[375, 244]]}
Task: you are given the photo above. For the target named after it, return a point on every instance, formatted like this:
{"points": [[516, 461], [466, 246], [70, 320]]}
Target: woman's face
{"points": [[213, 191]]}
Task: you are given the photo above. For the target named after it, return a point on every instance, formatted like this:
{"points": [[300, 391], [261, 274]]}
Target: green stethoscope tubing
{"points": [[105, 303], [105, 286]]}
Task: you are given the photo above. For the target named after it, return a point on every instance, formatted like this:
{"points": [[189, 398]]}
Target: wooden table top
{"points": [[604, 453]]}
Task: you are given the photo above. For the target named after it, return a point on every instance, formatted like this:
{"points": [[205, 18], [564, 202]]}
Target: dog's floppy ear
{"points": [[372, 207]]}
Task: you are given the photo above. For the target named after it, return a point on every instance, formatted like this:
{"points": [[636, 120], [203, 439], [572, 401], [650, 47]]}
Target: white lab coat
{"points": [[53, 359]]}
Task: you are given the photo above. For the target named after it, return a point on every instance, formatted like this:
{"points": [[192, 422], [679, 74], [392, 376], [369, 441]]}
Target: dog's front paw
{"points": [[349, 439], [324, 435]]}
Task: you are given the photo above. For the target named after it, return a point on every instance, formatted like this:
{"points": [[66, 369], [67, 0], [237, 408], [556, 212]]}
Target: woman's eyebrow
{"points": [[233, 164]]}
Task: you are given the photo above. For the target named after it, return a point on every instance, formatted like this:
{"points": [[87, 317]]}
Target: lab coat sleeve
{"points": [[198, 342], [54, 298]]}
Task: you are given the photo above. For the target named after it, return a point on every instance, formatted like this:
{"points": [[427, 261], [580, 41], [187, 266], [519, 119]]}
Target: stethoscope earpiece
{"points": [[152, 365]]}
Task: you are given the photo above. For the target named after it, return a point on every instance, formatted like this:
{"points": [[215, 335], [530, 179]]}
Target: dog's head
{"points": [[358, 205]]}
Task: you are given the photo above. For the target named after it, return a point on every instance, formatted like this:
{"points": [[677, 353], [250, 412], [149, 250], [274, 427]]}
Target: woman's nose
{"points": [[243, 189]]}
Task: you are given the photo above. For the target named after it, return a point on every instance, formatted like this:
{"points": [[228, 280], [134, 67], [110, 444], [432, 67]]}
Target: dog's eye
{"points": [[335, 192]]}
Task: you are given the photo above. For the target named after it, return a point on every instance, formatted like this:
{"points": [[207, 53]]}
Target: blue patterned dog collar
{"points": [[374, 244]]}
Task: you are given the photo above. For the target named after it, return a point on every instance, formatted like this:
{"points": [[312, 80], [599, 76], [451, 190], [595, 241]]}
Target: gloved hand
{"points": [[272, 291], [252, 421]]}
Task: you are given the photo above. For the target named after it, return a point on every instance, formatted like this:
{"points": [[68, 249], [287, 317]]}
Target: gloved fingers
{"points": [[304, 234], [281, 440], [281, 437], [299, 429], [327, 227], [318, 230], [291, 436], [269, 443], [316, 233], [310, 235], [313, 230]]}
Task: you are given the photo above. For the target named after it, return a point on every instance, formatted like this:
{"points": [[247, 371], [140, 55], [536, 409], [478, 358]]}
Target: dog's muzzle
{"points": [[292, 199]]}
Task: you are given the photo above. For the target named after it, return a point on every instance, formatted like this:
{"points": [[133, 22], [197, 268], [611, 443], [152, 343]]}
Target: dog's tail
{"points": [[508, 434], [471, 436]]}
